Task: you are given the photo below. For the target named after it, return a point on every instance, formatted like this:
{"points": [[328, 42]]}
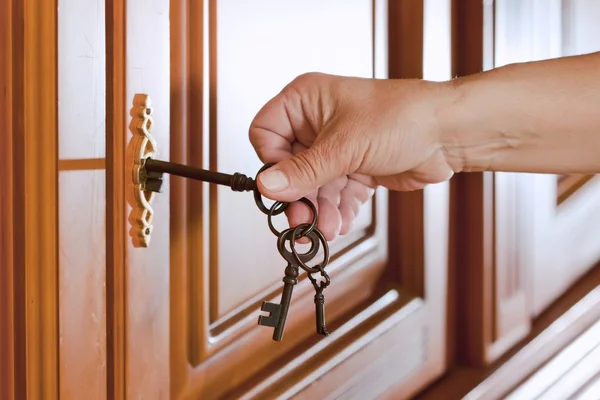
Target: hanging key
{"points": [[320, 311], [320, 301], [278, 312]]}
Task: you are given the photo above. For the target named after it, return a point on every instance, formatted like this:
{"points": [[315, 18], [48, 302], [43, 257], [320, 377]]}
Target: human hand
{"points": [[334, 139]]}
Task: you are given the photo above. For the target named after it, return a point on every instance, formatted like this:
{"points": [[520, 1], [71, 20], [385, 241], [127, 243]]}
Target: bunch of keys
{"points": [[151, 174]]}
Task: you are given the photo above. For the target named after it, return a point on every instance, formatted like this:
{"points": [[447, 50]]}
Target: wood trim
{"points": [[35, 223], [541, 349], [554, 329], [569, 184], [491, 297], [116, 241], [571, 369], [181, 11], [474, 195], [405, 38], [7, 323]]}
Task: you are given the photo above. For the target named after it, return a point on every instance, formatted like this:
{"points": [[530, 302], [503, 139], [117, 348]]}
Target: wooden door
{"points": [[528, 237], [567, 211], [104, 317]]}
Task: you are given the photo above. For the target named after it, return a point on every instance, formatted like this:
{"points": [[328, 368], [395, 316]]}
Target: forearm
{"points": [[541, 117]]}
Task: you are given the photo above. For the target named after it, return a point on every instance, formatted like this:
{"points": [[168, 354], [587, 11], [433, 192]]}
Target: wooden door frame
{"points": [[29, 266]]}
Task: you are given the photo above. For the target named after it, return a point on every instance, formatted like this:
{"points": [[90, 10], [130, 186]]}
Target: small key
{"points": [[278, 312], [320, 311]]}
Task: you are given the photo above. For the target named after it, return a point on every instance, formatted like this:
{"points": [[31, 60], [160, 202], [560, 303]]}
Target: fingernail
{"points": [[274, 180]]}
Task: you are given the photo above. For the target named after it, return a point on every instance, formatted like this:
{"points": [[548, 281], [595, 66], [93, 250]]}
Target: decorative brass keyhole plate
{"points": [[145, 147]]}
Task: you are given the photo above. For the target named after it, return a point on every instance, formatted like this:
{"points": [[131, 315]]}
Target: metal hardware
{"points": [[144, 185]]}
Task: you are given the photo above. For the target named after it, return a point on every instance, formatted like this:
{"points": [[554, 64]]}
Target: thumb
{"points": [[302, 174]]}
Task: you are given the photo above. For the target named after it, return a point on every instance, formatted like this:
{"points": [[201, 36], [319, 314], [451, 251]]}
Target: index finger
{"points": [[271, 133]]}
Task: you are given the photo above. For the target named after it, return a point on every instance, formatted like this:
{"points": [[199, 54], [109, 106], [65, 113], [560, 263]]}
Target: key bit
{"points": [[237, 182], [274, 311], [278, 312]]}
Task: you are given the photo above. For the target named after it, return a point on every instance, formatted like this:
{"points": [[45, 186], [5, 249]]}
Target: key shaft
{"points": [[320, 314], [237, 182], [290, 280]]}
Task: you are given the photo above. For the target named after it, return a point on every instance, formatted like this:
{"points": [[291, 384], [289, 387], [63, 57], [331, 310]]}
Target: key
{"points": [[278, 312], [320, 301], [153, 169], [151, 175], [320, 312], [237, 182]]}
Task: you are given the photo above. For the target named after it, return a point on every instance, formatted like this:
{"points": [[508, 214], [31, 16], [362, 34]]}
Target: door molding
{"points": [[29, 199]]}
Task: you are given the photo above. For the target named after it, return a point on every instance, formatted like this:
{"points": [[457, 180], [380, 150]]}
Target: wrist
{"points": [[473, 134]]}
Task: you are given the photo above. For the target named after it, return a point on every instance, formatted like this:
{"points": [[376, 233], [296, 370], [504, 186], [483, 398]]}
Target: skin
{"points": [[335, 139]]}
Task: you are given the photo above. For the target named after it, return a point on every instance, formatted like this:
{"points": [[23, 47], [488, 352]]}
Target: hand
{"points": [[335, 139]]}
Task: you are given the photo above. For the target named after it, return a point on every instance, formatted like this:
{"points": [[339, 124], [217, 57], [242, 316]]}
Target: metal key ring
{"points": [[306, 232], [259, 200], [319, 267], [294, 257]]}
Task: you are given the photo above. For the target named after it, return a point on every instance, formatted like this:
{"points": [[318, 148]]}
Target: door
{"points": [[532, 236], [171, 312]]}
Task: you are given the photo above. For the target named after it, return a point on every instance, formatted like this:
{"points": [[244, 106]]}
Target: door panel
{"points": [[147, 269], [224, 67], [269, 47], [531, 235], [82, 227], [561, 210], [568, 224], [138, 53]]}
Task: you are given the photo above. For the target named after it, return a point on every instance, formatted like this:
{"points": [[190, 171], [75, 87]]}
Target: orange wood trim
{"points": [[35, 150], [7, 327], [491, 294], [553, 330], [116, 242], [541, 349], [405, 39], [567, 372], [406, 61], [569, 184], [181, 12], [474, 206]]}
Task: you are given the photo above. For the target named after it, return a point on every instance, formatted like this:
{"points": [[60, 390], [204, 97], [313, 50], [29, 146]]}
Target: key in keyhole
{"points": [[237, 182]]}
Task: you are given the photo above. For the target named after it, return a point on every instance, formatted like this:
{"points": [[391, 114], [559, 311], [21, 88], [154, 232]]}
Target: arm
{"points": [[540, 117]]}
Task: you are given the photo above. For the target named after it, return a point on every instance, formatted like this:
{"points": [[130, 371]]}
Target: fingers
{"points": [[305, 172], [353, 196], [278, 125], [338, 204]]}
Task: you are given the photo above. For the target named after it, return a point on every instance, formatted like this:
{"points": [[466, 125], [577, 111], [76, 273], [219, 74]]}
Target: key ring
{"points": [[321, 237], [258, 198]]}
